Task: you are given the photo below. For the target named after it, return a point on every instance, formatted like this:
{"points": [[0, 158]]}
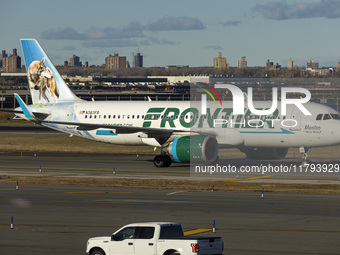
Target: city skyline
{"points": [[182, 33], [219, 63]]}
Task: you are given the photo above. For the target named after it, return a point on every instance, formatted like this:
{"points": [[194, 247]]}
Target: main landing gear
{"points": [[305, 157], [162, 161]]}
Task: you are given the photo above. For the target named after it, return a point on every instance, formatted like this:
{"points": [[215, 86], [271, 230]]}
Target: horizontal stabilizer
{"points": [[27, 112], [40, 115]]}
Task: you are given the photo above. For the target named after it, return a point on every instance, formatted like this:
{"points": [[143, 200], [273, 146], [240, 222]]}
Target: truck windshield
{"points": [[171, 231]]}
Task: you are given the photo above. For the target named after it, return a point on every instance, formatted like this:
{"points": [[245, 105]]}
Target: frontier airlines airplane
{"points": [[185, 131]]}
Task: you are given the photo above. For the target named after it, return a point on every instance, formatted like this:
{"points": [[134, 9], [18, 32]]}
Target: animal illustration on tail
{"points": [[40, 77]]}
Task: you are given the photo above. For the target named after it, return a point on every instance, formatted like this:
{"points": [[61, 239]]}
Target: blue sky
{"points": [[186, 32]]}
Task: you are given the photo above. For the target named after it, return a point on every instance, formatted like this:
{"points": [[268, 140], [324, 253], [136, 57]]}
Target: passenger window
{"points": [[126, 233], [144, 232], [319, 117]]}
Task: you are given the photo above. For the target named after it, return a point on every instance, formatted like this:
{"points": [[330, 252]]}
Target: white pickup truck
{"points": [[153, 238]]}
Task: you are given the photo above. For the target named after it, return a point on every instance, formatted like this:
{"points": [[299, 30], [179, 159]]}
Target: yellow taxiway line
{"points": [[197, 231]]}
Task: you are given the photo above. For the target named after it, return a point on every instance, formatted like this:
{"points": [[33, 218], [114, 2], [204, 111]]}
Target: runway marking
{"points": [[186, 233], [247, 179], [97, 192], [61, 226], [189, 205], [68, 170], [282, 230], [22, 189], [176, 192], [197, 231]]}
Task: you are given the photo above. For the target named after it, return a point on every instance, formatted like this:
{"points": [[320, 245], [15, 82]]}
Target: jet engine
{"points": [[195, 148]]}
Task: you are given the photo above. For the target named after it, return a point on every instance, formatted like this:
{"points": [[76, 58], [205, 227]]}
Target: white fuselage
{"points": [[293, 130]]}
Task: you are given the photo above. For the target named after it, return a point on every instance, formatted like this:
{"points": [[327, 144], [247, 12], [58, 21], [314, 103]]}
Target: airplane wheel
{"points": [[167, 161], [158, 161], [162, 161]]}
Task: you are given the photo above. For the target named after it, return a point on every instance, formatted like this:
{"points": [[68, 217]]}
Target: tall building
{"points": [[75, 61], [338, 67], [115, 62], [290, 64], [12, 63], [2, 58], [221, 63], [269, 64], [242, 63], [312, 65], [138, 60]]}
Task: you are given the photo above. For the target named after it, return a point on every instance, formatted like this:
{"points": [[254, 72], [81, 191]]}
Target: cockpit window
{"points": [[336, 116], [327, 117], [319, 117]]}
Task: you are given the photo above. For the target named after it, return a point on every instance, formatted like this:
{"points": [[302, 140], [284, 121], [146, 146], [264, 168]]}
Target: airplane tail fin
{"points": [[45, 83]]}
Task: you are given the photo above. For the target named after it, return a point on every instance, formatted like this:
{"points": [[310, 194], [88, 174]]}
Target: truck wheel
{"points": [[97, 252]]}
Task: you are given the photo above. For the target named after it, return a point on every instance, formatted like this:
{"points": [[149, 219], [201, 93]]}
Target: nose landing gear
{"points": [[305, 157]]}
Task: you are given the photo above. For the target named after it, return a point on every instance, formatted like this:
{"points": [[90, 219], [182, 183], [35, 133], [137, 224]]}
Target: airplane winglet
{"points": [[27, 112]]}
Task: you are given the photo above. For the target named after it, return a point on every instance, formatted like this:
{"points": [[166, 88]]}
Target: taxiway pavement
{"points": [[53, 219], [130, 166]]}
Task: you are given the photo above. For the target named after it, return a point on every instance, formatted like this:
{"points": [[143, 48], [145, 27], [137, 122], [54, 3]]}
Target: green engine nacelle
{"points": [[195, 148]]}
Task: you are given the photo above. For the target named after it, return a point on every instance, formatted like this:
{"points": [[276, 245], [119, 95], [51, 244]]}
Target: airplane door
{"points": [[296, 116]]}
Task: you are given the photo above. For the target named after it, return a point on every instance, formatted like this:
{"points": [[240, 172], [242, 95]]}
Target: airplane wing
{"points": [[118, 129]]}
